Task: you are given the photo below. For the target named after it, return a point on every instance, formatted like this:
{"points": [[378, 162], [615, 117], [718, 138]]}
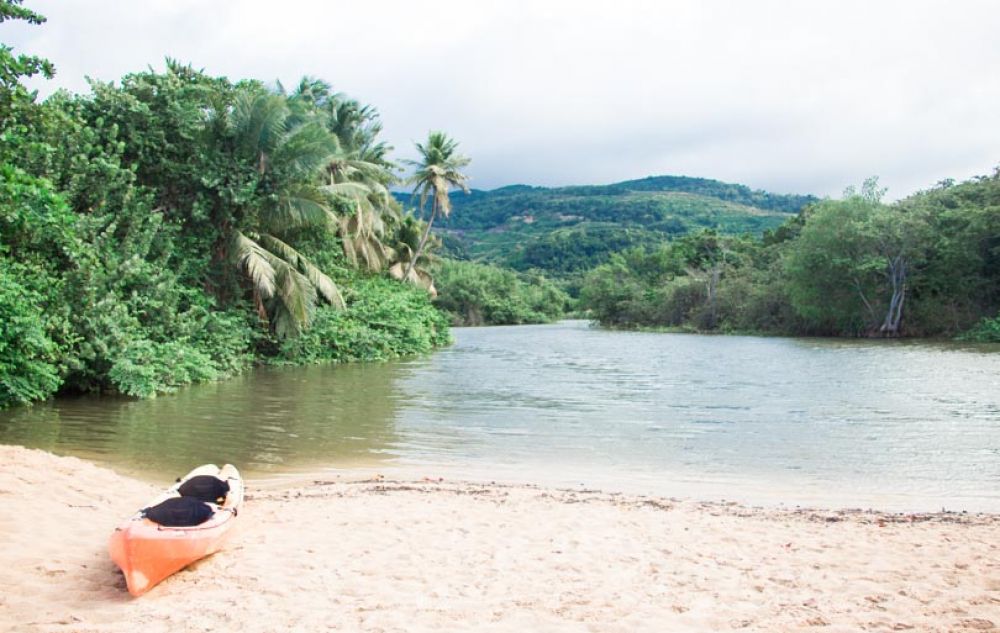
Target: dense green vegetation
{"points": [[568, 230], [928, 265], [482, 294], [177, 227], [986, 331]]}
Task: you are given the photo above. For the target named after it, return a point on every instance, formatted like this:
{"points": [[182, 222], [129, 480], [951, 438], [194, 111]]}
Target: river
{"points": [[776, 421]]}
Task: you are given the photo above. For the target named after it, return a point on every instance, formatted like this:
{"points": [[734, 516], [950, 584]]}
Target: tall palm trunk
{"points": [[423, 240], [436, 172]]}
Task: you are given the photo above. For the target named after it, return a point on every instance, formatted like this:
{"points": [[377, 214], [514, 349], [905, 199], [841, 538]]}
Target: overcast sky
{"points": [[793, 97]]}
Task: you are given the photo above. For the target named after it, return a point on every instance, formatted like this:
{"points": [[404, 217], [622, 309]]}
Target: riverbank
{"points": [[364, 553]]}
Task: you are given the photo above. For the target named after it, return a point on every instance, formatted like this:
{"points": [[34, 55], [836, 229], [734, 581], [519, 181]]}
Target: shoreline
{"points": [[761, 495], [381, 554], [314, 489], [414, 475]]}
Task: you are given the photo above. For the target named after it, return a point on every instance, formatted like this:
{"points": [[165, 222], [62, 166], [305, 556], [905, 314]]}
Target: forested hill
{"points": [[567, 229], [740, 194]]}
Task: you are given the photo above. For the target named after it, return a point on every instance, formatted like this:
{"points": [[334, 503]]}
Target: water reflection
{"points": [[901, 424], [910, 425], [271, 420]]}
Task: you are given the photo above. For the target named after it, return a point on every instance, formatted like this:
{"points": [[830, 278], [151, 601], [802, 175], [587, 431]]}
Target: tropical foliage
{"points": [[383, 320], [409, 264], [481, 294], [435, 174], [986, 331], [175, 227], [928, 265]]}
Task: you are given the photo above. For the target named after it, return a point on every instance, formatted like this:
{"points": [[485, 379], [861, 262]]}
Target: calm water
{"points": [[762, 420]]}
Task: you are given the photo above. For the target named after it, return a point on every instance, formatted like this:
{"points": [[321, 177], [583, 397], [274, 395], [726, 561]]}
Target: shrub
{"points": [[383, 320], [987, 331], [145, 368], [480, 294], [28, 356]]}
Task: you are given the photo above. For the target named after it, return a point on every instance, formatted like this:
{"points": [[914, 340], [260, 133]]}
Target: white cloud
{"points": [[789, 96]]}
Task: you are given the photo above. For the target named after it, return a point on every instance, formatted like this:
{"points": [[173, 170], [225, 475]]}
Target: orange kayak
{"points": [[148, 552]]}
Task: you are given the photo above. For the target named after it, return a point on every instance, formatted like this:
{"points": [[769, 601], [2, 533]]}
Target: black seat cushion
{"points": [[206, 488], [179, 512]]}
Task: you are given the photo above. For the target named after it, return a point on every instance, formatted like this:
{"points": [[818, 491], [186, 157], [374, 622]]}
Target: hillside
{"points": [[569, 229]]}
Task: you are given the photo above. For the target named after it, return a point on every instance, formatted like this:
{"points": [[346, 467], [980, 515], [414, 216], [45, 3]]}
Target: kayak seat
{"points": [[205, 488], [179, 512]]}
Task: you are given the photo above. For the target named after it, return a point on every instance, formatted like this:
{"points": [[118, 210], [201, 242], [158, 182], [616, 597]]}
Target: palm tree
{"points": [[308, 96], [287, 157], [435, 173], [363, 229], [361, 173], [408, 266]]}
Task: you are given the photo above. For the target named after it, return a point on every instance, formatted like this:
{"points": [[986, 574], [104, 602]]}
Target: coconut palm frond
{"points": [[298, 139], [375, 255], [362, 236], [415, 276], [348, 246], [347, 166], [306, 149], [254, 262], [353, 123], [282, 322], [435, 172], [404, 253], [392, 211], [376, 152], [259, 120], [439, 186], [426, 281], [312, 90], [280, 249], [299, 205], [398, 271], [297, 296], [373, 205], [381, 196], [352, 190], [371, 172], [407, 265], [324, 286]]}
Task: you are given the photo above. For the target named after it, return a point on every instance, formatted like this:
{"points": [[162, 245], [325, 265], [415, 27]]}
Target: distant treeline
{"points": [[928, 265], [482, 294], [567, 230], [739, 194]]}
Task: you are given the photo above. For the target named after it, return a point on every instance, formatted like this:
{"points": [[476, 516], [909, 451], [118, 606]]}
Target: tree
{"points": [[358, 172], [362, 175], [850, 269], [406, 266], [481, 294], [706, 255], [960, 283], [287, 160], [613, 290], [435, 173], [14, 68]]}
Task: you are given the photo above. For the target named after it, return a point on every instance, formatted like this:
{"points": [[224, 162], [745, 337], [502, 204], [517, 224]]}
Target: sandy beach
{"points": [[363, 553]]}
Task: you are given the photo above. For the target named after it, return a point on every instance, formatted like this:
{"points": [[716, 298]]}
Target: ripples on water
{"points": [[884, 423]]}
